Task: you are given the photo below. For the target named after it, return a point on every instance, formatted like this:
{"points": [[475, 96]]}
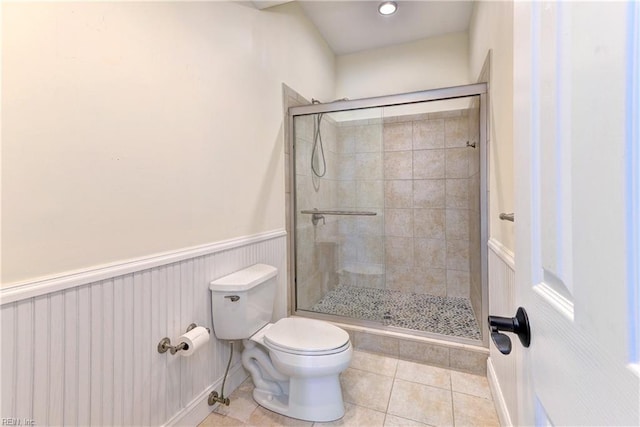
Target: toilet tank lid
{"points": [[244, 279]]}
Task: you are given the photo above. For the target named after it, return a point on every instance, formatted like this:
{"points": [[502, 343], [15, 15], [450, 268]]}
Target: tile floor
{"points": [[383, 391]]}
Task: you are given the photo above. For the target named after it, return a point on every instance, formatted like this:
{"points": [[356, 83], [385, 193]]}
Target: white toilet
{"points": [[294, 363]]}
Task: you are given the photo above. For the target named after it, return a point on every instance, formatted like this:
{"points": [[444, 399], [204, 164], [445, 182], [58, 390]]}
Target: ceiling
{"points": [[353, 26]]}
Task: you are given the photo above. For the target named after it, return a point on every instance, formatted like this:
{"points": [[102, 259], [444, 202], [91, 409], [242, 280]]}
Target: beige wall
{"points": [[426, 64], [492, 28], [130, 129]]}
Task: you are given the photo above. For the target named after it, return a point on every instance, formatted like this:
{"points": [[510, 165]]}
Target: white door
{"points": [[577, 189]]}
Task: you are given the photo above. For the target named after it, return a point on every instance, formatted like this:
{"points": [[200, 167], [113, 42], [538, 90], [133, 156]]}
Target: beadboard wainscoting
{"points": [[502, 370], [86, 353]]}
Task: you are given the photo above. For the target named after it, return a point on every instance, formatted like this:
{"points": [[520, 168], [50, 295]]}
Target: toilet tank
{"points": [[242, 302]]}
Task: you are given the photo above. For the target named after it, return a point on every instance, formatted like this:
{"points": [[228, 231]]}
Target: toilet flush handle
{"points": [[233, 298]]}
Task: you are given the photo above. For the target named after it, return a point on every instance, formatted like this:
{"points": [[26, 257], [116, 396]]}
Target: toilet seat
{"points": [[307, 337]]}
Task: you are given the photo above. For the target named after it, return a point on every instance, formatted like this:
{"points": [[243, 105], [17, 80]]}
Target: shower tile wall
{"points": [[317, 247], [361, 188], [419, 186]]}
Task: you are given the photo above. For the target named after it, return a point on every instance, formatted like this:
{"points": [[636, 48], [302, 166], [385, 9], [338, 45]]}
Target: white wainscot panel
{"points": [[501, 369], [86, 354]]}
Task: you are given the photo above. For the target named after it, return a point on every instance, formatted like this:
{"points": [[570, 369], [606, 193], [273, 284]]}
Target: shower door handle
{"points": [[518, 325]]}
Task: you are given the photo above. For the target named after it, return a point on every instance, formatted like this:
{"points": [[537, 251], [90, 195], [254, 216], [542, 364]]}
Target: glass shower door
{"points": [[390, 202], [339, 206]]}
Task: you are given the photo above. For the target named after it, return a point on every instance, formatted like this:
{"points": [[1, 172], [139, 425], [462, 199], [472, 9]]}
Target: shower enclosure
{"points": [[389, 203]]}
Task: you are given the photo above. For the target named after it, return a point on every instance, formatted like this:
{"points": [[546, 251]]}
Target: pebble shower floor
{"points": [[442, 315]]}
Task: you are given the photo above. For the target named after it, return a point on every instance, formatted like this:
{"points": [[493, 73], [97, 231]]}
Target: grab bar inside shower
{"points": [[317, 215]]}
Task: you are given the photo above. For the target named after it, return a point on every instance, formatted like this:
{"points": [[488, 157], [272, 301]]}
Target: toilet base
{"points": [[317, 399], [296, 385]]}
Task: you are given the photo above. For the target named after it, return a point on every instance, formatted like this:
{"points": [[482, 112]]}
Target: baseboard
{"points": [[198, 409], [498, 397]]}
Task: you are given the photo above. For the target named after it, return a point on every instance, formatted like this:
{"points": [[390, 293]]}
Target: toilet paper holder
{"points": [[165, 343]]}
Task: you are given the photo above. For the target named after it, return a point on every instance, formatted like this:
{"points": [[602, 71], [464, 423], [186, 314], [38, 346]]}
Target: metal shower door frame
{"points": [[440, 94]]}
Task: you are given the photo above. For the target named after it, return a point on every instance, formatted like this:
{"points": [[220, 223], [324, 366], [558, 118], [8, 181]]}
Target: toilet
{"points": [[295, 362]]}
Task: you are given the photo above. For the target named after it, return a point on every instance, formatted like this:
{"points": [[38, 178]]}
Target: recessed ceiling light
{"points": [[388, 8]]}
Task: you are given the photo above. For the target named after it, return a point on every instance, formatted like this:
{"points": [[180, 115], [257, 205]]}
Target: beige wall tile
{"points": [[346, 136], [303, 158], [398, 222], [369, 138], [370, 194], [429, 223], [400, 278], [327, 255], [468, 361], [398, 251], [371, 250], [457, 162], [428, 164], [456, 131], [347, 168], [348, 251], [457, 224], [368, 166], [369, 225], [422, 352], [430, 252], [458, 284], [398, 165], [347, 225], [457, 193], [376, 343], [397, 136], [429, 193], [428, 134], [458, 255], [430, 281], [346, 193], [329, 134], [303, 128], [332, 160], [398, 194]]}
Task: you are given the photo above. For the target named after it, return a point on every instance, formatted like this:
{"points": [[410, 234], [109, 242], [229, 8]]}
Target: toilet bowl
{"points": [[295, 362], [306, 375]]}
